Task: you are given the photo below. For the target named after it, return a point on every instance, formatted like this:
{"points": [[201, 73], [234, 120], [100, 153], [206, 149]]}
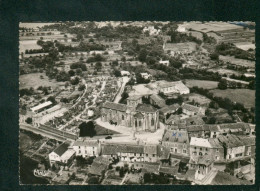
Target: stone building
{"points": [[139, 116]]}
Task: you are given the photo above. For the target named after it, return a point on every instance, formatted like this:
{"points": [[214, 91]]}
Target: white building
{"points": [[41, 107], [173, 88], [145, 75], [62, 154], [86, 148], [125, 73], [164, 62]]}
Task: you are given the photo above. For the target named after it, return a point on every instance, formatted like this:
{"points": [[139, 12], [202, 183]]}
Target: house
{"points": [[166, 111], [249, 143], [198, 131], [171, 88], [125, 73], [194, 120], [86, 148], [145, 75], [177, 141], [216, 150], [125, 152], [203, 166], [41, 107], [97, 169], [235, 128], [62, 154], [164, 62], [150, 153], [157, 100], [147, 167], [192, 110], [199, 147], [214, 130], [234, 148]]}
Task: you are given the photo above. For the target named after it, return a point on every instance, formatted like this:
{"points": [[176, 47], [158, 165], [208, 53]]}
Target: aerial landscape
{"points": [[137, 103]]}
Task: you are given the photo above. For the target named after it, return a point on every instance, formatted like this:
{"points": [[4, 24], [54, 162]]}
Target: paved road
{"points": [[118, 96], [42, 132]]}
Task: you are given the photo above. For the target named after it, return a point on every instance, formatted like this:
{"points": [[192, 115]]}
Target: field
{"points": [[27, 45], [237, 61], [244, 96], [210, 26], [34, 80], [202, 84]]}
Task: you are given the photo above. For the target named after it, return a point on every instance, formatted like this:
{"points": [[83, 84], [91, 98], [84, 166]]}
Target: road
{"points": [[125, 79], [42, 132]]}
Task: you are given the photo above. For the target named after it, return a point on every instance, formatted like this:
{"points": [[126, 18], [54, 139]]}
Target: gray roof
{"points": [[115, 106], [170, 108], [178, 136], [230, 141], [62, 148], [190, 107], [145, 108]]}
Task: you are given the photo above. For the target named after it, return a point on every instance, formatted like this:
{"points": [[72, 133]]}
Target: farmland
{"points": [[237, 61], [34, 80], [202, 84], [244, 96]]}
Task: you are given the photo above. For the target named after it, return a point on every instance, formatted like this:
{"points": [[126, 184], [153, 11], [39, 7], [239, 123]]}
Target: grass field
{"points": [[237, 61], [244, 96], [202, 84], [34, 80]]}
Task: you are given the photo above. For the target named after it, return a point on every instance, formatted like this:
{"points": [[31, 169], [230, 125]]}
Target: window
{"points": [[153, 155], [135, 123], [206, 153], [217, 150], [123, 117], [195, 148], [147, 155], [140, 123], [152, 122], [200, 148], [184, 151], [171, 149], [206, 149]]}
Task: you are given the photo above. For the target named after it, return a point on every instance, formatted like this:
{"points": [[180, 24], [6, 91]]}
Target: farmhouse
{"points": [[62, 154]]}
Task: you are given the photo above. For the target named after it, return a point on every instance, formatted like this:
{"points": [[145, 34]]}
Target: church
{"points": [[139, 116]]}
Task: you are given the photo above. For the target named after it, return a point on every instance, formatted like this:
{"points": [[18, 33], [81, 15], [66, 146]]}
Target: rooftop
{"points": [[190, 107], [200, 142], [115, 106], [223, 178], [62, 148], [179, 136], [145, 108], [89, 143], [40, 106], [230, 141], [170, 108]]}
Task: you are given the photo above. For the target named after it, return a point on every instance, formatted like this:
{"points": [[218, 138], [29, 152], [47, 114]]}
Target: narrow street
{"points": [[118, 96]]}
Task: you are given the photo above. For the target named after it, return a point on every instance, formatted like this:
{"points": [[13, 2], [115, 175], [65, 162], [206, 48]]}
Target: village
{"points": [[120, 103]]}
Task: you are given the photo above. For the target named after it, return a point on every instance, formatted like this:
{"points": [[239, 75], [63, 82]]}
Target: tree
{"points": [[98, 66], [28, 120], [52, 99], [142, 55], [93, 180], [212, 120], [71, 73], [78, 71], [81, 87], [147, 177], [87, 129], [117, 73], [74, 81], [214, 56], [222, 84]]}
